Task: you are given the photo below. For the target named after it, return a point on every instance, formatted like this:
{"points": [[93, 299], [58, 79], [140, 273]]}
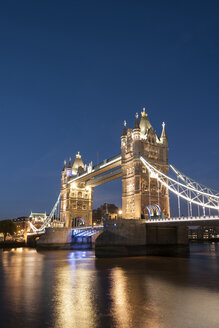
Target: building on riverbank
{"points": [[203, 232]]}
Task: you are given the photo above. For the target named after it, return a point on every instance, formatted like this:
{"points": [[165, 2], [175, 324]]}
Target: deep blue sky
{"points": [[72, 71]]}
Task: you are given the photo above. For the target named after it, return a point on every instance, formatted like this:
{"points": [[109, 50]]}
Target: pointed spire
{"points": [[136, 121], [144, 124], [124, 132], [77, 162], [69, 162], [64, 167], [163, 134], [78, 155], [143, 114]]}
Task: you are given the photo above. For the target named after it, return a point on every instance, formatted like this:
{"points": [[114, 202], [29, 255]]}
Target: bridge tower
{"points": [[139, 188], [76, 198]]}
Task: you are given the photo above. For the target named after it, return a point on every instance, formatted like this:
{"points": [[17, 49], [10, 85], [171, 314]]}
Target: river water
{"points": [[74, 289]]}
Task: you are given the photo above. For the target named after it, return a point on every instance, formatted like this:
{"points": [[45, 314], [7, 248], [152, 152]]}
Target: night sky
{"points": [[72, 71]]}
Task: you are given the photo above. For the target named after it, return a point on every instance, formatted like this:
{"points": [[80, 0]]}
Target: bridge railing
{"points": [[86, 231], [106, 161], [183, 219]]}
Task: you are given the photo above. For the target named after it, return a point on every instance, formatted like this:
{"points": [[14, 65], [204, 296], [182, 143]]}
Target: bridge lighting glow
{"points": [[73, 185], [153, 169], [185, 191], [111, 162], [92, 170], [194, 184], [192, 219], [153, 175], [48, 219]]}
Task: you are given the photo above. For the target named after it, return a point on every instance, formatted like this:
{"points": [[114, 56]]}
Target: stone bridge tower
{"points": [[139, 189], [76, 198]]}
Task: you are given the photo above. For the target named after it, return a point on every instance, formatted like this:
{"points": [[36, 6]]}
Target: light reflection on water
{"points": [[74, 289]]}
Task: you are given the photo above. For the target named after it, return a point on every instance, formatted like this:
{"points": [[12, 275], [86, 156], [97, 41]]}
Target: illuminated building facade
{"points": [[139, 188], [76, 198]]}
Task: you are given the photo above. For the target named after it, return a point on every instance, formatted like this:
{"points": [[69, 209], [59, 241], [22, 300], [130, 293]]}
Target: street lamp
{"points": [[120, 213]]}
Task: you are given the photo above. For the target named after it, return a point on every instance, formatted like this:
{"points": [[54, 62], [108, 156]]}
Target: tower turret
{"points": [[136, 136], [69, 163], [124, 137], [136, 122], [145, 125], [124, 132], [163, 137], [64, 172], [64, 167], [78, 165], [68, 169]]}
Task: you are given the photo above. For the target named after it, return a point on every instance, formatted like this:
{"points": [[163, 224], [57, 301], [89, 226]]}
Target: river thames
{"points": [[74, 289]]}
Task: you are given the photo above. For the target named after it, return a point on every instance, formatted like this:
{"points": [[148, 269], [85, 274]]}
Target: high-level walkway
{"points": [[108, 170]]}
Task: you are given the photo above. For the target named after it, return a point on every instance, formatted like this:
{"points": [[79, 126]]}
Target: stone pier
{"points": [[134, 238], [61, 238], [55, 238]]}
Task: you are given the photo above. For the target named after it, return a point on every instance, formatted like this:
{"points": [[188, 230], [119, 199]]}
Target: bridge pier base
{"points": [[55, 238], [61, 238], [167, 240], [135, 238]]}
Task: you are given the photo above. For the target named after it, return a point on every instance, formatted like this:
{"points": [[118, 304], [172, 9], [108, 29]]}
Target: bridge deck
{"points": [[195, 220], [86, 231], [105, 177]]}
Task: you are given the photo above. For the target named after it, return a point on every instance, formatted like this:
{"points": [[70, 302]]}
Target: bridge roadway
{"points": [[86, 231], [108, 170], [194, 220], [189, 221]]}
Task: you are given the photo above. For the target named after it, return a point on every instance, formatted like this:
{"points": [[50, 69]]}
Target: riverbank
{"points": [[12, 244], [16, 244], [203, 241]]}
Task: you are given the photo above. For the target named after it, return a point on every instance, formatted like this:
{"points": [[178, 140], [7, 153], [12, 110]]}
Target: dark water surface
{"points": [[74, 289]]}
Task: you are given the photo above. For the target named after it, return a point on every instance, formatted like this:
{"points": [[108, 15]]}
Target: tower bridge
{"points": [[138, 188], [146, 184], [143, 166]]}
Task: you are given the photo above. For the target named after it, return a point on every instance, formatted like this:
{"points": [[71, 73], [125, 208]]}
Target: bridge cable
{"points": [[186, 190]]}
